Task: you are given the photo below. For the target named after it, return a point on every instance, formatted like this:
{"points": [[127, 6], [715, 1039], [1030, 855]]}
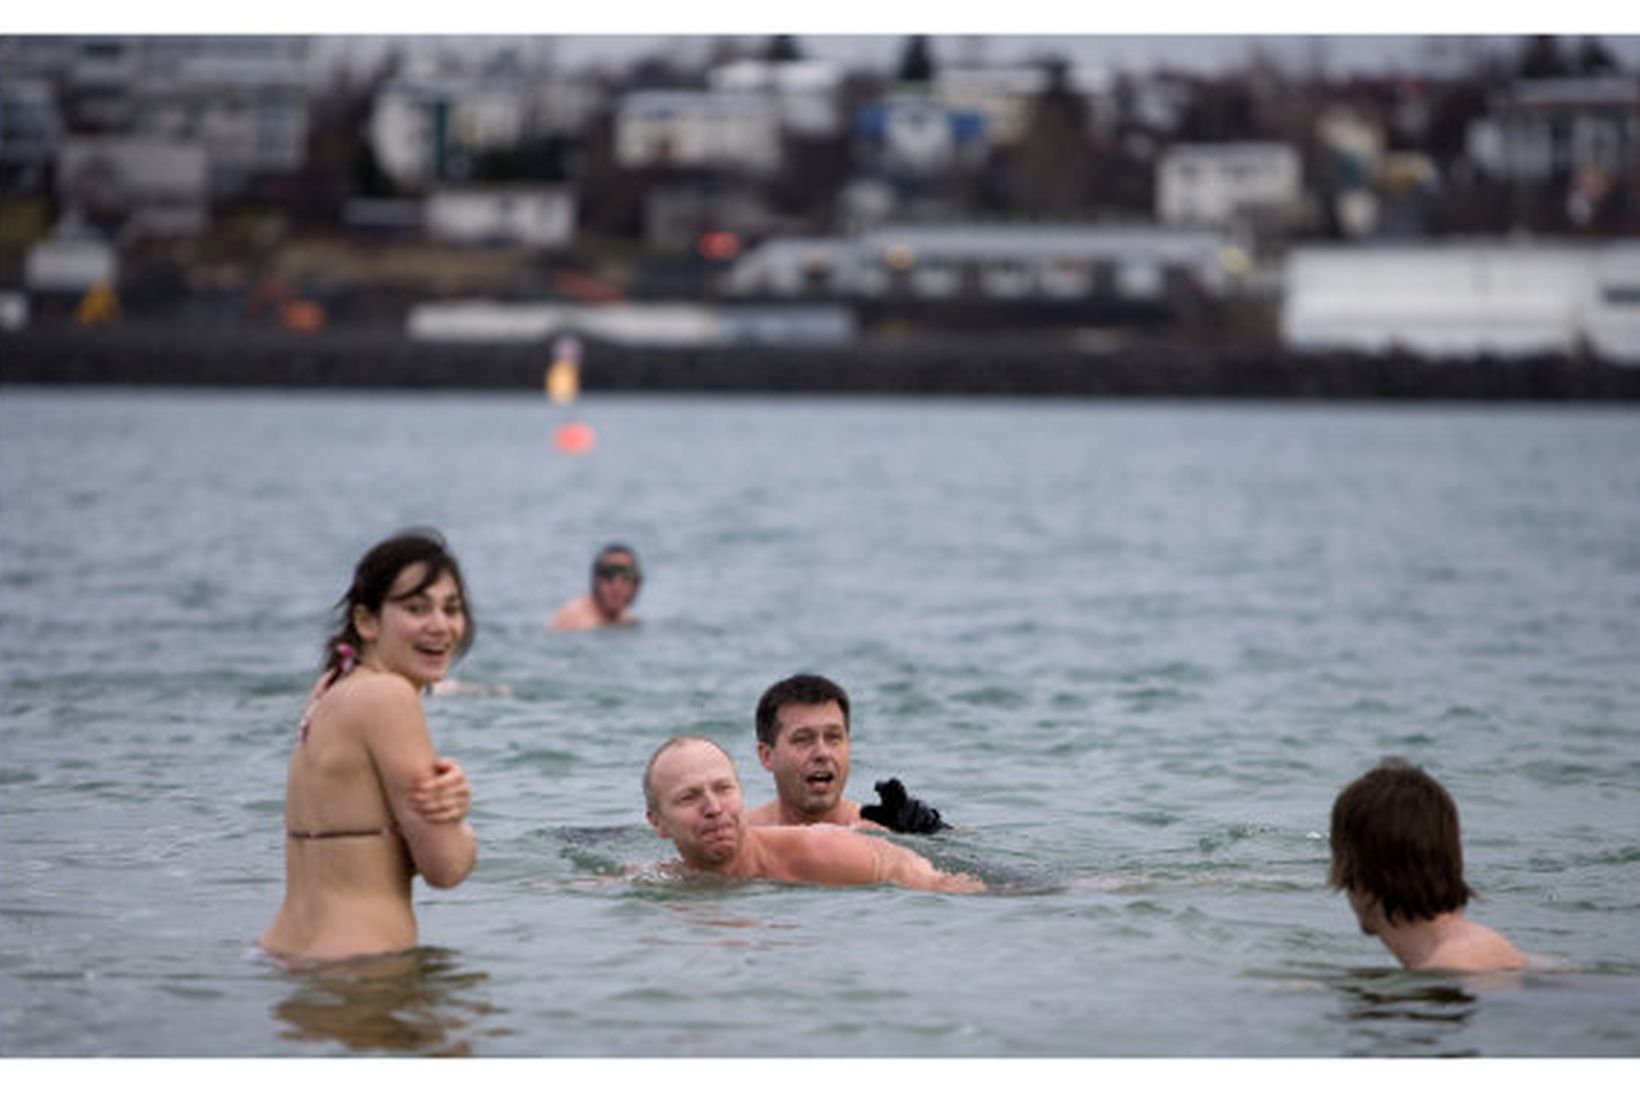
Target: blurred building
{"points": [[1579, 134], [30, 128], [910, 134], [135, 186], [1218, 185], [805, 94], [722, 130], [1542, 129], [1466, 299], [425, 129], [996, 274], [542, 217], [243, 99], [683, 217], [69, 262], [1004, 97]]}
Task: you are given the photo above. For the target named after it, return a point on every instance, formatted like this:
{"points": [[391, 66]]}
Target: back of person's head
{"points": [[1395, 838], [803, 690], [609, 551], [373, 578]]}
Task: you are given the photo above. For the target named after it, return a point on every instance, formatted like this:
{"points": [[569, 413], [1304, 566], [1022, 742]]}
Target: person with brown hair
{"points": [[1396, 854], [803, 740], [368, 802], [614, 583]]}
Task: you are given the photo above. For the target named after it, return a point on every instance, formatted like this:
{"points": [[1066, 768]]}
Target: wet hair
{"points": [[806, 690], [616, 548], [1395, 838], [373, 578], [651, 801]]}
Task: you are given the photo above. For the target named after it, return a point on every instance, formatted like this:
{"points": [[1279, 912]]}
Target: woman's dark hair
{"points": [[373, 577], [1395, 838], [801, 690]]}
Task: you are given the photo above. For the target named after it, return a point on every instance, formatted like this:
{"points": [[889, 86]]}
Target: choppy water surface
{"points": [[1132, 650]]}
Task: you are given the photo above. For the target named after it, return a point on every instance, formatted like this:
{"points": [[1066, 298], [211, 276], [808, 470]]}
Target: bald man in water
{"points": [[692, 795]]}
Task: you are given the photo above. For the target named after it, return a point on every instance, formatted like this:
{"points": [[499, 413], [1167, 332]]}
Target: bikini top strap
{"points": [[347, 658]]}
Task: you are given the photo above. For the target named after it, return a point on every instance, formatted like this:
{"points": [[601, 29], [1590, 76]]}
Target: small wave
{"points": [[994, 696]]}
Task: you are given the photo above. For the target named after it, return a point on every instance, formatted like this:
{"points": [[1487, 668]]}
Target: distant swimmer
{"points": [[803, 740], [1396, 854], [615, 581], [692, 798], [368, 802]]}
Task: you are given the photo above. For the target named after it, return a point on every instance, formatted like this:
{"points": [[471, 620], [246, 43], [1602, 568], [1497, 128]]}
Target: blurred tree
{"points": [[783, 47], [333, 169], [369, 180], [1593, 58], [812, 173], [916, 62], [1540, 57], [1457, 107], [1053, 162], [543, 159], [1219, 111]]}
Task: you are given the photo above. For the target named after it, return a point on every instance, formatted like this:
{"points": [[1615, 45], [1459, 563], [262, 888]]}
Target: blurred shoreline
{"points": [[162, 355]]}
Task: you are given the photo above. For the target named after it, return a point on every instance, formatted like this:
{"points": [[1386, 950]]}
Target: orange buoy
{"points": [[574, 438]]}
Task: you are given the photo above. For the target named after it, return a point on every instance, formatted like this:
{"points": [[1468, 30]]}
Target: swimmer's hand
{"points": [[899, 811], [443, 796]]}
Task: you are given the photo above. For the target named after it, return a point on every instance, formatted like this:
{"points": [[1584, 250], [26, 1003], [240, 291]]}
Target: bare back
{"points": [[353, 840], [823, 854]]}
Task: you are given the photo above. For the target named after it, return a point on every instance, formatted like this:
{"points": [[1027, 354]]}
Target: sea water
{"points": [[1131, 650]]}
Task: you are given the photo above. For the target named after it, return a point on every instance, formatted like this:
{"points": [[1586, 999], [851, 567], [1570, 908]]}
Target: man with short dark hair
{"points": [[1396, 854], [803, 740], [692, 798], [615, 581]]}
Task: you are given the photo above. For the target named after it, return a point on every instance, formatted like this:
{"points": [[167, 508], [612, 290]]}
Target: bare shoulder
{"points": [[575, 614], [384, 711], [368, 697], [1477, 948], [825, 848], [764, 815]]}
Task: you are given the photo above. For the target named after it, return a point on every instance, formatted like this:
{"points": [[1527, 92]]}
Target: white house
{"points": [[528, 216], [804, 93], [1217, 184], [720, 129]]}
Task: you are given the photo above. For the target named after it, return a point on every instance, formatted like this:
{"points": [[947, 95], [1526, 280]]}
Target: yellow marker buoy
{"points": [[563, 381], [574, 438]]}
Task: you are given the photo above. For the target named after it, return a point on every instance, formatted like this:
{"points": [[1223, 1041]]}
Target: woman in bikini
{"points": [[368, 803]]}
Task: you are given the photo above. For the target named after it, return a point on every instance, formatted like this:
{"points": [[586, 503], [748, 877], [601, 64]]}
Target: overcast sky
{"points": [[1389, 35], [1355, 53]]}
